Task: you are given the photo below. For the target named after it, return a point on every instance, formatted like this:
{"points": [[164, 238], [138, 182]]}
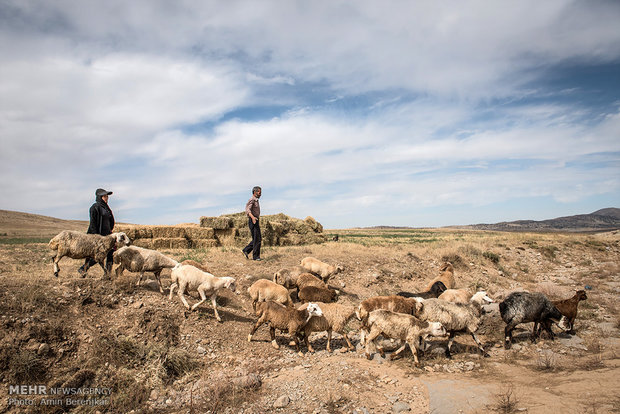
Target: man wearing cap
{"points": [[101, 222], [252, 210]]}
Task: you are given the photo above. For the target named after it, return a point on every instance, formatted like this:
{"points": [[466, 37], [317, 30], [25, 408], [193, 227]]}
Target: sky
{"points": [[357, 113]]}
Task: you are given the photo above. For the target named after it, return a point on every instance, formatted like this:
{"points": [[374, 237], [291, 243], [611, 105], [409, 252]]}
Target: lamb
{"points": [[568, 307], [138, 259], [436, 289], [523, 307], [287, 277], [319, 268], [316, 294], [455, 317], [307, 279], [456, 296], [263, 290], [284, 318], [395, 325], [446, 276], [392, 303], [191, 278], [334, 319], [78, 245]]}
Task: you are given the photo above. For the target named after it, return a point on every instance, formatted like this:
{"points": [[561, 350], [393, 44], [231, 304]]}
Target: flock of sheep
{"points": [[410, 317]]}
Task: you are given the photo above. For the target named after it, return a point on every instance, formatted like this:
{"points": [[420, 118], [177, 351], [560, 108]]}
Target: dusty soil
{"points": [[158, 358]]}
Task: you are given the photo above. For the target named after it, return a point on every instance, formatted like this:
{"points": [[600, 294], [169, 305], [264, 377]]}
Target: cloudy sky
{"points": [[358, 113]]}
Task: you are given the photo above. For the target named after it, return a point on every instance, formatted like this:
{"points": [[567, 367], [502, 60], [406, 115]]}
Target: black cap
{"points": [[102, 192]]}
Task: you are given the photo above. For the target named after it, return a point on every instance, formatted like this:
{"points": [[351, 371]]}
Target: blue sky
{"points": [[358, 113]]}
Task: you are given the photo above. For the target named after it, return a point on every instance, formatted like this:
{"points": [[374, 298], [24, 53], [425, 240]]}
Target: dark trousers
{"points": [[254, 245]]}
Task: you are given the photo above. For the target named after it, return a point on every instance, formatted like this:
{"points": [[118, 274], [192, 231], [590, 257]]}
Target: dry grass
{"points": [[505, 401]]}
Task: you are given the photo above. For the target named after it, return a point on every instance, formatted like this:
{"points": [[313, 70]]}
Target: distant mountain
{"points": [[601, 220]]}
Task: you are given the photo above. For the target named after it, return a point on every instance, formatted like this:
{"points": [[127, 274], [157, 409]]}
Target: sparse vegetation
{"points": [[149, 350]]}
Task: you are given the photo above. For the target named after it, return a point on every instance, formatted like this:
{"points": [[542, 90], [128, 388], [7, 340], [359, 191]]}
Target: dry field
{"points": [[155, 357]]}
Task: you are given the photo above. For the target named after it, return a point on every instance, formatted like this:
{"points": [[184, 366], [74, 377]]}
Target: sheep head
{"points": [[480, 298], [121, 239], [581, 295], [437, 329], [313, 310], [564, 324], [230, 284]]}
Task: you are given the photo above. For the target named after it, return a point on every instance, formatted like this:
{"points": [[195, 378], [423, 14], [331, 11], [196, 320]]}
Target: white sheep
{"points": [[190, 278], [263, 290], [287, 276], [138, 259], [396, 325], [319, 268], [455, 317], [284, 318], [334, 319], [78, 245]]}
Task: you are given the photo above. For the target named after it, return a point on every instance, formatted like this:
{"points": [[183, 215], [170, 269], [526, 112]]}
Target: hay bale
{"points": [[216, 223], [144, 232], [161, 243], [226, 236], [146, 243], [314, 225], [168, 232], [179, 243], [199, 233]]}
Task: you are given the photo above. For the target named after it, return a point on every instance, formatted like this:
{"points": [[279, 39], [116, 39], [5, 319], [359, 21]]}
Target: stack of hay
{"points": [[169, 237], [226, 230], [277, 230]]}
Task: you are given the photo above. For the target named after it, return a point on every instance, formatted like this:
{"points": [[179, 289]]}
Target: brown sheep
{"points": [[568, 307], [446, 276], [316, 294], [263, 290], [285, 319], [335, 318], [319, 268], [287, 276], [307, 279]]}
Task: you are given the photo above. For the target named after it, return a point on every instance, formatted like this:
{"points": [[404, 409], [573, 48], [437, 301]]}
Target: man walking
{"points": [[252, 210]]}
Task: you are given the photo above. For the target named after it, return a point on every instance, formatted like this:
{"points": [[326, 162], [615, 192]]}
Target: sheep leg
{"points": [[349, 345], [55, 260], [307, 342], [414, 351], [119, 270], [450, 341], [140, 276], [172, 287], [259, 322], [158, 277], [370, 338], [329, 340], [535, 332], [180, 294], [480, 347], [203, 297], [399, 350], [214, 303], [272, 334], [547, 326], [508, 334]]}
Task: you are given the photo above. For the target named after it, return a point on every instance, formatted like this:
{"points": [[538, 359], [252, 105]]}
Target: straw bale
{"points": [[314, 225], [144, 232], [179, 243], [198, 233], [146, 243], [225, 236], [168, 232]]}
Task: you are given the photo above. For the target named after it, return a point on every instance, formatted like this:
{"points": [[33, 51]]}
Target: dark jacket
{"points": [[101, 218]]}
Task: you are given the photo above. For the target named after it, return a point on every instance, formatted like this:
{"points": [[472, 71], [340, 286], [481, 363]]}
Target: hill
{"points": [[17, 224], [601, 220]]}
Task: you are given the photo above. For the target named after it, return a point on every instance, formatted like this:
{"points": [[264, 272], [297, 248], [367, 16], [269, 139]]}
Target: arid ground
{"points": [[155, 357]]}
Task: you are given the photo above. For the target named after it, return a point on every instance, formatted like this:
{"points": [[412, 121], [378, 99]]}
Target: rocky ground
{"points": [[158, 358]]}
